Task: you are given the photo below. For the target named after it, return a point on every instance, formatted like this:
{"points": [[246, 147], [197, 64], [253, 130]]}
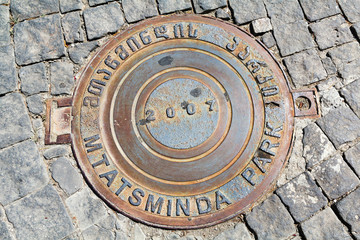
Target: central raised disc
{"points": [[181, 113]]}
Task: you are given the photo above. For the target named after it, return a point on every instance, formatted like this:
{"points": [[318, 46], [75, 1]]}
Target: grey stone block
{"points": [[55, 151], [4, 1], [98, 2], [70, 5], [351, 9], [352, 157], [62, 80], [66, 175], [22, 171], [223, 14], [347, 60], [4, 26], [329, 66], [279, 224], [315, 10], [41, 215], [302, 196], [261, 25], [332, 31], [24, 9], [4, 232], [341, 125], [284, 11], [335, 177], [136, 10], [238, 232], [329, 84], [8, 81], [351, 93], [71, 23], [38, 40], [33, 79], [305, 68], [35, 104], [349, 209], [15, 123], [87, 209], [79, 52], [292, 37], [168, 6], [268, 39], [95, 232], [102, 20], [207, 5], [247, 10], [317, 146], [325, 225]]}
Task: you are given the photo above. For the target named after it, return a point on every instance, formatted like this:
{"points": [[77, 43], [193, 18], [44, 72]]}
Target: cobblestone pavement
{"points": [[44, 44]]}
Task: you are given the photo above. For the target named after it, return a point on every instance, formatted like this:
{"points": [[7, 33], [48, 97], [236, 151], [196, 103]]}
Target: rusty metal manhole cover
{"points": [[183, 121]]}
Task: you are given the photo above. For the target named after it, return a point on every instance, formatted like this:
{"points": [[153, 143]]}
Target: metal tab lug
{"points": [[306, 103]]}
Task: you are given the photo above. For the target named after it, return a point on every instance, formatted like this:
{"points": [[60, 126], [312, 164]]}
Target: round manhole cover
{"points": [[182, 121]]}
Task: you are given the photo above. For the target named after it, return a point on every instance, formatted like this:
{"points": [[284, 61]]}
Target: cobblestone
{"points": [[261, 25], [315, 10], [325, 225], [223, 14], [346, 58], [136, 10], [302, 196], [95, 232], [352, 96], [15, 124], [329, 84], [332, 31], [330, 99], [62, 80], [97, 2], [317, 146], [41, 215], [38, 40], [24, 9], [273, 212], [351, 9], [168, 6], [33, 79], [4, 26], [22, 171], [102, 20], [8, 81], [79, 52], [4, 232], [349, 209], [329, 66], [335, 177], [70, 5], [352, 157], [284, 11], [292, 37], [305, 68], [67, 177], [87, 209], [268, 39], [238, 232], [35, 104], [247, 11], [206, 5], [72, 27], [55, 151], [341, 125]]}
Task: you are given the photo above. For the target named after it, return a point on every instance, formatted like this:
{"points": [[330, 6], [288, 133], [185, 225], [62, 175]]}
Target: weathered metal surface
{"points": [[58, 121], [182, 121], [306, 103]]}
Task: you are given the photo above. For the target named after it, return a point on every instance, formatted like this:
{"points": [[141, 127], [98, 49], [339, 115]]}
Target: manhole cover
{"points": [[182, 121]]}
